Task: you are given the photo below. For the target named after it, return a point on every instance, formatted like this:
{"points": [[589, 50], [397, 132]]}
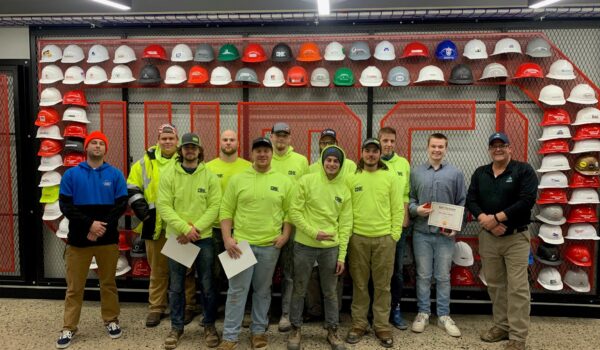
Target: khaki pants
{"points": [[78, 261], [505, 261], [371, 258]]}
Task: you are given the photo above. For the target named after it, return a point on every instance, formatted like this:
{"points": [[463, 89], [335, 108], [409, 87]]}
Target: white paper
{"points": [[446, 216], [234, 266], [184, 254]]}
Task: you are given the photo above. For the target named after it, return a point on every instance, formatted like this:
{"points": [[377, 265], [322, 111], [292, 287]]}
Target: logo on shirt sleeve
{"points": [[274, 188], [400, 173], [338, 199]]}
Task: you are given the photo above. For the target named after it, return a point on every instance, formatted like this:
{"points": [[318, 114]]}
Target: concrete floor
{"points": [[35, 324]]}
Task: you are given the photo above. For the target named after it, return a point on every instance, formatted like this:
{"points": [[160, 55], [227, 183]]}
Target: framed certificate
{"points": [[446, 216]]}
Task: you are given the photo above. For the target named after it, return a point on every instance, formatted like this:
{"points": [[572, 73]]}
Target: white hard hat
{"points": [[552, 214], [49, 132], [561, 70], [50, 53], [121, 74], [220, 76], [273, 77], [50, 97], [583, 146], [384, 51], [463, 254], [584, 196], [95, 75], [550, 279], [182, 53], [551, 234], [578, 281], [482, 277], [430, 73], [74, 75], [494, 70], [583, 94], [554, 132], [75, 114], [582, 231], [93, 264], [320, 77], [63, 229], [371, 76], [72, 54], [97, 54], [334, 52], [588, 115], [51, 211], [124, 54], [122, 266], [475, 50], [50, 178], [177, 75], [398, 76], [50, 163], [552, 95], [554, 179], [538, 48], [51, 74], [507, 45], [554, 162]]}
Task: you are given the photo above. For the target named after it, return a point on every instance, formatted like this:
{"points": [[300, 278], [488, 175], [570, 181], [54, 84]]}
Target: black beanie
{"points": [[333, 151]]}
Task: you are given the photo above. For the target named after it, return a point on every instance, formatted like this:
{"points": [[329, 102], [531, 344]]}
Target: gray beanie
{"points": [[333, 151]]}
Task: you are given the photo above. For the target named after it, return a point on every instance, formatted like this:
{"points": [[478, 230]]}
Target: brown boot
{"points": [[173, 339], [334, 340], [211, 337], [294, 339], [153, 319], [355, 335], [259, 341], [515, 345], [385, 338], [494, 334], [228, 345]]}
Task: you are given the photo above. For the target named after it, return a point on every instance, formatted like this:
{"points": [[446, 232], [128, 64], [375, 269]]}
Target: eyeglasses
{"points": [[498, 147], [326, 143]]}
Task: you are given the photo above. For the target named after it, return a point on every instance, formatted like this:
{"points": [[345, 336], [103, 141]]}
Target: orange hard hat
{"points": [[198, 75], [309, 52]]}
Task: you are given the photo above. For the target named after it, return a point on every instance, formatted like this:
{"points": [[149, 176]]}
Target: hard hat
{"points": [[371, 76], [582, 232], [552, 196], [50, 96], [73, 145], [50, 178], [529, 70], [254, 53], [204, 53], [463, 254], [149, 75], [75, 130], [461, 75], [415, 49], [587, 132], [273, 77], [51, 74], [506, 45], [75, 98], [583, 94], [141, 268], [95, 75], [582, 213], [552, 95], [334, 52], [578, 281], [384, 51], [561, 70], [548, 254], [72, 54], [49, 132], [124, 243], [220, 76], [482, 277], [554, 179], [63, 229], [49, 148], [97, 54], [198, 75], [583, 146], [320, 77], [50, 194], [359, 51], [588, 115], [93, 264], [538, 48], [124, 54], [429, 74], [181, 53], [551, 234], [343, 77], [582, 181], [555, 116], [281, 53], [247, 75], [74, 75], [309, 52], [584, 196], [461, 276], [475, 50], [51, 211], [494, 71], [50, 53], [579, 255], [398, 76], [228, 53], [121, 74], [555, 132], [550, 279], [587, 164], [554, 162], [122, 266], [50, 163], [297, 76], [554, 146], [175, 75], [73, 159], [155, 51], [75, 114], [138, 249], [552, 214], [446, 50], [47, 116]]}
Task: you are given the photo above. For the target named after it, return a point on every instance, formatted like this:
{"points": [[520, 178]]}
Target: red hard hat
{"points": [[297, 76], [461, 276], [415, 49], [73, 159], [254, 53], [579, 255], [581, 181], [47, 116], [141, 268], [198, 75], [554, 146], [75, 97], [529, 70], [49, 147], [76, 130], [155, 51], [552, 196], [124, 243], [555, 116], [582, 213], [587, 132]]}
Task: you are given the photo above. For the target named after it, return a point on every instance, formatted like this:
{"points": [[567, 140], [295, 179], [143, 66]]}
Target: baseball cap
{"points": [[262, 142], [190, 139], [328, 132], [280, 127], [167, 128], [498, 136], [371, 141]]}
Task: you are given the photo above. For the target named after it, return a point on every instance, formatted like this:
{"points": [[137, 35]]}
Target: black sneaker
{"points": [[114, 330], [65, 339]]}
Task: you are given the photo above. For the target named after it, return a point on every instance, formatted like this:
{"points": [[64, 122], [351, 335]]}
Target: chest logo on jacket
{"points": [[358, 189], [107, 183], [291, 172], [274, 189]]}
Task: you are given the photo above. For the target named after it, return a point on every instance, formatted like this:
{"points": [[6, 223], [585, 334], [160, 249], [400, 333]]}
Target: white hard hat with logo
{"points": [[51, 211], [582, 231], [320, 77], [50, 163], [552, 95], [588, 115], [550, 279], [561, 70], [554, 162], [538, 48], [122, 266], [371, 76], [583, 94], [74, 75], [121, 74], [50, 53], [584, 146], [176, 75], [554, 132], [63, 229], [50, 97], [95, 75], [578, 281], [124, 54], [97, 53], [494, 71], [551, 234], [475, 50], [72, 54], [334, 52], [50, 178], [182, 53], [75, 114], [430, 73], [584, 196], [385, 51], [506, 45], [274, 77], [49, 132], [552, 214], [463, 254], [554, 179], [51, 74], [220, 76]]}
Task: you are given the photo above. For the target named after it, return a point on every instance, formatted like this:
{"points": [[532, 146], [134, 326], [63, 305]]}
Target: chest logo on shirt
{"points": [[509, 180], [400, 173], [107, 183], [201, 190], [338, 199], [358, 189], [219, 175], [274, 189], [291, 172]]}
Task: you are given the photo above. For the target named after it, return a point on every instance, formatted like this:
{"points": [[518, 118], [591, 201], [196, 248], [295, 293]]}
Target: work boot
{"points": [[259, 341], [173, 339], [334, 340], [228, 345], [153, 319], [284, 323], [494, 334], [515, 345], [294, 339], [211, 337], [355, 335], [397, 320]]}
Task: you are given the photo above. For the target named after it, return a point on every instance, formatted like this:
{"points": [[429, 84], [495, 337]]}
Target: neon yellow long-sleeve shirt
{"points": [[291, 164], [401, 167], [225, 171]]}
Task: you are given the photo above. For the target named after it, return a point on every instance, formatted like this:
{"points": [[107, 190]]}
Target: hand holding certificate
{"points": [[446, 216]]}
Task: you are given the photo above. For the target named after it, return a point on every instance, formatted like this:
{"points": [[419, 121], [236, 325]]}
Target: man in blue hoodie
{"points": [[93, 196]]}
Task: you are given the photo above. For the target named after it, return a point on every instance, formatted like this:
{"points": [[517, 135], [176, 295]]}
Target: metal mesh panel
{"points": [[7, 212], [204, 121], [113, 123], [516, 126], [155, 114]]}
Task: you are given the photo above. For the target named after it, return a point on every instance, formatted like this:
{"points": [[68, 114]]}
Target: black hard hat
{"points": [[548, 254], [149, 75], [281, 53], [461, 75]]}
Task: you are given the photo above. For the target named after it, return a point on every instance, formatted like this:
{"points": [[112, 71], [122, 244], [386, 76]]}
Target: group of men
{"points": [[326, 214]]}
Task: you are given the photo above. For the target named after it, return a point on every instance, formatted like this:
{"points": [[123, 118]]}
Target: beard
{"points": [[228, 152]]}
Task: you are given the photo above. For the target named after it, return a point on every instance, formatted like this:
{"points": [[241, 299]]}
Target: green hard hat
{"points": [[228, 52], [343, 77]]}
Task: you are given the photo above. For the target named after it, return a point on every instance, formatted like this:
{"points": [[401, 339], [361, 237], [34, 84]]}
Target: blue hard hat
{"points": [[446, 50]]}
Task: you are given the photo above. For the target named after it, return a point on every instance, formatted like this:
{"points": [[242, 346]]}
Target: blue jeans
{"points": [[260, 276], [433, 255], [204, 269], [398, 277]]}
